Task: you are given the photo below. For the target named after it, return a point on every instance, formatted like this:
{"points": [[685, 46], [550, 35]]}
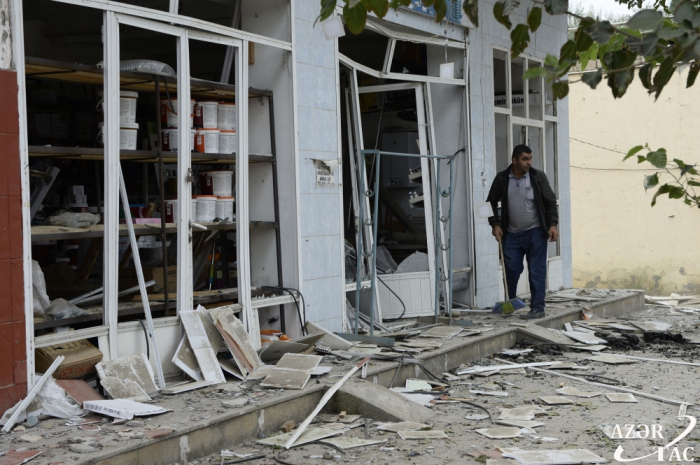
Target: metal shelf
{"points": [[59, 233], [139, 156]]}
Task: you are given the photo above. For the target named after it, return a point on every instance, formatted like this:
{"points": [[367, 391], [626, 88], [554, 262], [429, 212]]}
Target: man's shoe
{"points": [[532, 315]]}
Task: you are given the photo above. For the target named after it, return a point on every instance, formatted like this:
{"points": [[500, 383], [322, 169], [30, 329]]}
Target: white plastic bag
{"points": [[55, 402], [39, 297], [61, 308]]}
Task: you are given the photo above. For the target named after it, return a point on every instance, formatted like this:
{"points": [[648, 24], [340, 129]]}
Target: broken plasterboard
{"points": [[442, 332], [422, 399], [610, 359], [502, 432], [520, 423], [418, 385], [187, 387], [432, 434], [204, 349], [524, 412], [261, 372], [299, 362], [544, 334], [311, 434], [589, 348], [276, 349], [654, 326], [554, 457], [402, 426], [123, 409], [585, 338], [321, 370], [556, 400], [229, 366], [331, 339], [621, 397], [134, 367], [185, 360], [236, 338], [343, 442], [119, 388], [284, 378], [572, 391]]}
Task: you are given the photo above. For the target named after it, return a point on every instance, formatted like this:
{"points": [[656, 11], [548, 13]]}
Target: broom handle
{"points": [[503, 267]]}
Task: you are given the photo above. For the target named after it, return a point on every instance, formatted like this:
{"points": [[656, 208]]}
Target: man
{"points": [[528, 217]]}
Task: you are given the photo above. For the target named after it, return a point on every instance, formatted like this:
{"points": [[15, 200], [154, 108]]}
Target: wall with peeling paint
{"points": [[620, 241], [5, 36]]}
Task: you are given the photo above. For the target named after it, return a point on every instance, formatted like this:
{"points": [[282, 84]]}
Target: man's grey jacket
{"points": [[545, 199]]}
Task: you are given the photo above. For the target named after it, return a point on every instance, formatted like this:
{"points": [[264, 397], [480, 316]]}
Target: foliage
{"points": [[658, 39]]}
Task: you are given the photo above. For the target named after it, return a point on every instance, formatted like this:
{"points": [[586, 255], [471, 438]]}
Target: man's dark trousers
{"points": [[533, 245]]}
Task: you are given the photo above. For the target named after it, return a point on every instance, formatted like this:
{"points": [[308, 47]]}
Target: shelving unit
{"points": [[37, 68]]}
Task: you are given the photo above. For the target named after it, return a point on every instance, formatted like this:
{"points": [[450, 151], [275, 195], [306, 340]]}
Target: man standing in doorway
{"points": [[527, 218]]}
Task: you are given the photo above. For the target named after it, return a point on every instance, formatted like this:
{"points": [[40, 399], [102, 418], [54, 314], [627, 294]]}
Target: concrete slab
{"points": [[133, 367], [502, 432], [433, 434], [311, 434], [299, 362], [621, 397], [377, 402], [543, 334], [284, 378]]}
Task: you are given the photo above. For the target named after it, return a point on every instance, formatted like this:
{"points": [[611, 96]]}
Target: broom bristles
{"points": [[508, 307]]}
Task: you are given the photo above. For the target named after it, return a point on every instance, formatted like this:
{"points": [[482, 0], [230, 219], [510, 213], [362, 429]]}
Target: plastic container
{"points": [[227, 141], [207, 140], [210, 114], [127, 105], [171, 141], [224, 207], [172, 211], [222, 183], [127, 135], [226, 115], [206, 208], [168, 116]]}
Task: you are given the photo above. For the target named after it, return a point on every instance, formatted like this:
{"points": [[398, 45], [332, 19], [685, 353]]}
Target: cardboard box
{"points": [[127, 278], [81, 358]]}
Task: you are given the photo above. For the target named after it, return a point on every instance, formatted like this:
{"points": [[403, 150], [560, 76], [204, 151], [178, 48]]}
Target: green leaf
{"points": [[657, 158], [645, 45], [645, 20], [568, 51], [663, 75], [534, 72], [583, 40], [501, 17], [520, 38], [620, 71], [534, 18], [651, 181], [327, 8], [692, 74], [641, 159], [601, 31], [355, 18], [676, 192], [616, 42], [592, 78], [556, 7], [440, 10], [660, 191], [380, 7], [633, 151], [645, 75], [551, 60], [670, 31], [684, 12], [509, 6], [560, 89], [694, 183], [588, 55], [471, 9]]}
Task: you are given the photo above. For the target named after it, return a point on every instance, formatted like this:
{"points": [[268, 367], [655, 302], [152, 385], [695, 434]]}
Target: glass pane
{"points": [[502, 151], [500, 79], [553, 249], [550, 106], [517, 67], [534, 141], [535, 93], [519, 135], [551, 157]]}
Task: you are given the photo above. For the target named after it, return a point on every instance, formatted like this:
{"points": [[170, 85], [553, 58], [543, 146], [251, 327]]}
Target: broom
{"points": [[508, 306]]}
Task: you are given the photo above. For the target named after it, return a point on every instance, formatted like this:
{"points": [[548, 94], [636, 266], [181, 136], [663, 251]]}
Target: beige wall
{"points": [[619, 240]]}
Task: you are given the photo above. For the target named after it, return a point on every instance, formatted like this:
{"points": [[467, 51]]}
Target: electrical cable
{"points": [[145, 333], [247, 459], [397, 296], [302, 320], [279, 460]]}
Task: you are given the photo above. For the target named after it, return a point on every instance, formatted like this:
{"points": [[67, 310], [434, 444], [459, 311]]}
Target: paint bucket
{"points": [[127, 135], [206, 208], [172, 211], [227, 141], [222, 183], [224, 208], [209, 114], [207, 140], [127, 105], [227, 116], [171, 141], [168, 115]]}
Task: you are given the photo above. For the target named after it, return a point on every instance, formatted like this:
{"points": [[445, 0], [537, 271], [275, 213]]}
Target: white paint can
{"points": [[127, 105], [127, 135], [210, 115], [227, 142], [207, 140], [222, 183], [206, 208], [172, 211], [224, 208], [227, 116], [168, 115], [171, 142]]}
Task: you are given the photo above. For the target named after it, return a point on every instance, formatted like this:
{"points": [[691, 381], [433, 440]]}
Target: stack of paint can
{"points": [[216, 199], [169, 124]]}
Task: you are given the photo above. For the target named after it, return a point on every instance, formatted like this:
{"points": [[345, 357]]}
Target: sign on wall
{"points": [[454, 14]]}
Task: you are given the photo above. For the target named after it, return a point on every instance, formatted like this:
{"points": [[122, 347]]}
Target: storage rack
{"points": [[39, 68]]}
